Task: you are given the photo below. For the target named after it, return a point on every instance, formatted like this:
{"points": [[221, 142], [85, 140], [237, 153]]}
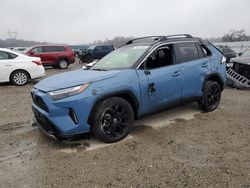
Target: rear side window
{"points": [[3, 55], [12, 56], [60, 49], [205, 50], [49, 48], [186, 51], [7, 55]]}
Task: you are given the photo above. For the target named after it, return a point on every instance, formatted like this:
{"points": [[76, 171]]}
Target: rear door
{"points": [[194, 66], [50, 55], [159, 79], [6, 65]]}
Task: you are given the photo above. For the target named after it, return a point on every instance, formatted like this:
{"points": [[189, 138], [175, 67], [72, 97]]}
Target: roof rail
{"points": [[154, 38], [159, 38], [179, 35]]}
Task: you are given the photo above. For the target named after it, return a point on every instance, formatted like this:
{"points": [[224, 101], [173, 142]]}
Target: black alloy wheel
{"points": [[115, 121], [211, 96], [112, 119]]}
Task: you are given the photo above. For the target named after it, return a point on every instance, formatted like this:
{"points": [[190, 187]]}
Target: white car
{"points": [[20, 49], [18, 68]]}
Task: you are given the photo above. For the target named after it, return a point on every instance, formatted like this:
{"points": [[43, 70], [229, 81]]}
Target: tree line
{"points": [[232, 36]]}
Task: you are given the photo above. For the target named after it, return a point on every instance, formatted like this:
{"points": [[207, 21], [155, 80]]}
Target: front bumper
{"points": [[55, 117], [237, 80]]}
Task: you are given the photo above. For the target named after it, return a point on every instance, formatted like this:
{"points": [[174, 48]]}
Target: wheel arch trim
{"points": [[135, 104], [214, 77]]}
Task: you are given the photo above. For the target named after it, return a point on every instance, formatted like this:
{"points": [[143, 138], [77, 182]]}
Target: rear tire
{"points": [[63, 63], [19, 78], [211, 96], [112, 120]]}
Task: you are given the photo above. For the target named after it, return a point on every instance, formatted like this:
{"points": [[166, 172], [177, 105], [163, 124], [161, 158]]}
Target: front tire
{"points": [[63, 63], [19, 78], [112, 120], [89, 58], [211, 96]]}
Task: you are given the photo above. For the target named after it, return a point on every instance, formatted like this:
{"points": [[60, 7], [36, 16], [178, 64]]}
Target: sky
{"points": [[85, 21]]}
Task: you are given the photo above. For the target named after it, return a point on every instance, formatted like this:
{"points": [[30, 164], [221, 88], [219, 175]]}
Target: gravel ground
{"points": [[210, 150]]}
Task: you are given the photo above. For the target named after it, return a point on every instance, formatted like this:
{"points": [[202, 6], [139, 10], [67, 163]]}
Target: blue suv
{"points": [[145, 75]]}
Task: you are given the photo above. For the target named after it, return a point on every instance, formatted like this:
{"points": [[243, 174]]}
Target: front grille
{"points": [[39, 102]]}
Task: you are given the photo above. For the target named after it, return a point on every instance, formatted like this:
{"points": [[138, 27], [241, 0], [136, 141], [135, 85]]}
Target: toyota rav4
{"points": [[145, 75]]}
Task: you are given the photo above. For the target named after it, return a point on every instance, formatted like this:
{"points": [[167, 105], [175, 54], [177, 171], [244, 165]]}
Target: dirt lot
{"points": [[208, 150]]}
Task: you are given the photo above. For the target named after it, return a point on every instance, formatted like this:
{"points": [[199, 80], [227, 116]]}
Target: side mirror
{"points": [[31, 53], [239, 54]]}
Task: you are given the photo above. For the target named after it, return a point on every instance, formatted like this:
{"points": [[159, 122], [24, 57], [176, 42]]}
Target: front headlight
{"points": [[230, 64], [63, 93]]}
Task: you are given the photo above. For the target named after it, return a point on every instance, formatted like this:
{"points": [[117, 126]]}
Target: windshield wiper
{"points": [[99, 69]]}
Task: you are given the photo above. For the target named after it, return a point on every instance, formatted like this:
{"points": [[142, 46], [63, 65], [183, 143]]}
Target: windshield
{"points": [[246, 53], [121, 58]]}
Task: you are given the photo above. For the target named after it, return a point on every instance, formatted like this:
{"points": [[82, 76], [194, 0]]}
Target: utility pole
{"points": [[12, 34]]}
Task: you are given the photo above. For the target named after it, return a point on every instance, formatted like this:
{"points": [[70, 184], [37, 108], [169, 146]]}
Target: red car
{"points": [[56, 55]]}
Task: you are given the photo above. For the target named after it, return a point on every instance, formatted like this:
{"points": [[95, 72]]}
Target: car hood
{"points": [[241, 60], [73, 78]]}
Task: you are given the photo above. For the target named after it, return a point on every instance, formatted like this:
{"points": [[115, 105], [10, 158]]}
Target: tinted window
{"points": [[49, 48], [60, 48], [12, 56], [37, 50], [7, 55], [186, 51], [109, 48], [3, 55], [161, 57], [98, 48], [200, 51], [205, 51]]}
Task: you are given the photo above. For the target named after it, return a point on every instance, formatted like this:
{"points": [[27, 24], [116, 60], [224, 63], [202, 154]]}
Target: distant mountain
{"points": [[18, 43]]}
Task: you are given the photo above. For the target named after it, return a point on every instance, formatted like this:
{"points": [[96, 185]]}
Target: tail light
{"points": [[37, 62]]}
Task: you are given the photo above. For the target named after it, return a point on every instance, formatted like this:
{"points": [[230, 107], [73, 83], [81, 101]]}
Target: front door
{"points": [[160, 79]]}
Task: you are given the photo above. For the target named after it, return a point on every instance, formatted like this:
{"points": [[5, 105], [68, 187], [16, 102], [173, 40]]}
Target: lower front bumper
{"points": [[47, 127]]}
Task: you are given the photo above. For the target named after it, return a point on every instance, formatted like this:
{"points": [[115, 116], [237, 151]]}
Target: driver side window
{"points": [[161, 57]]}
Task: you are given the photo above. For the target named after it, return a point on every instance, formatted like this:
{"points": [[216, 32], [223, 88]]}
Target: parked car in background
{"points": [[78, 48], [20, 49], [134, 80], [53, 55], [95, 52], [238, 70], [18, 68]]}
